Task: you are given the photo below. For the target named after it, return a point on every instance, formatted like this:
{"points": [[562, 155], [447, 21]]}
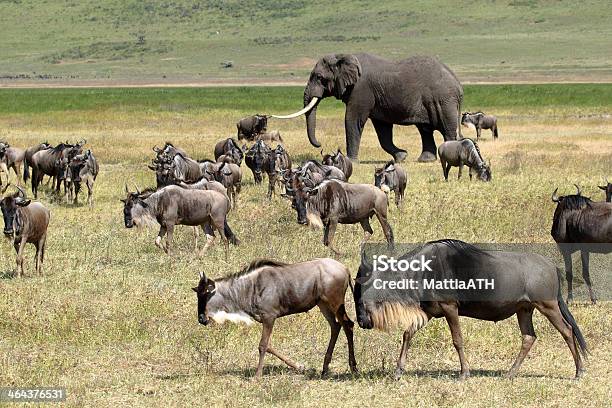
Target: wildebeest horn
{"points": [[554, 196], [22, 192], [6, 187], [152, 167], [156, 149], [126, 188], [578, 192], [201, 274]]}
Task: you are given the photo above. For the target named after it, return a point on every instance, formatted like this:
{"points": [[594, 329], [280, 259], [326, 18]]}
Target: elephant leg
{"points": [[384, 131], [429, 144], [353, 125]]}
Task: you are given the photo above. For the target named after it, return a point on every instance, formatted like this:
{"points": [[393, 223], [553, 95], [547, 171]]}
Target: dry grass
{"points": [[114, 320]]}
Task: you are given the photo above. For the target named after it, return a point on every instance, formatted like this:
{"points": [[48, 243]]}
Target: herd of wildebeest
{"points": [[202, 194]]}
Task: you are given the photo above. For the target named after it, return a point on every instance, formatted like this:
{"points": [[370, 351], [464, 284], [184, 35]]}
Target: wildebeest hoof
{"points": [[579, 374], [427, 157], [510, 374], [464, 376], [400, 156], [398, 374], [301, 368]]}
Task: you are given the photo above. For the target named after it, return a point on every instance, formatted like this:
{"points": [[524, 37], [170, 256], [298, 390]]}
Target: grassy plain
{"points": [[188, 40], [114, 320]]}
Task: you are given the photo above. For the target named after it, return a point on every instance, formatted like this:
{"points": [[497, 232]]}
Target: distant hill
{"points": [[258, 40]]}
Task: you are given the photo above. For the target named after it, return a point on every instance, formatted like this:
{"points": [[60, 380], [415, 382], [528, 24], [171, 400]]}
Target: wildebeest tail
{"points": [[567, 316], [26, 170], [229, 234]]}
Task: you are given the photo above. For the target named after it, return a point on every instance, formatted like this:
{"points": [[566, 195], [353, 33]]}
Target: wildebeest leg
{"points": [[160, 236], [567, 259], [89, 193], [170, 233], [451, 313], [284, 359], [586, 275], [210, 236], [367, 231], [526, 325], [460, 169], [551, 310], [478, 130], [401, 361], [446, 171], [347, 326], [19, 247], [266, 332], [382, 219], [335, 330], [196, 234], [40, 248], [328, 235]]}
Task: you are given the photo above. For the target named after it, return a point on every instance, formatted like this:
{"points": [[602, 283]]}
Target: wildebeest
{"points": [[521, 282], [333, 202], [46, 162], [251, 126], [82, 168], [580, 224], [174, 166], [174, 205], [169, 150], [317, 172], [28, 157], [340, 161], [11, 158], [479, 121], [257, 159], [266, 290], [25, 222], [230, 176], [279, 162], [391, 177], [608, 190], [271, 136], [458, 153], [229, 147]]}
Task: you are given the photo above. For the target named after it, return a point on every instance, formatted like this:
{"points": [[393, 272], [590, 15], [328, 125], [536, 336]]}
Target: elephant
{"points": [[419, 91]]}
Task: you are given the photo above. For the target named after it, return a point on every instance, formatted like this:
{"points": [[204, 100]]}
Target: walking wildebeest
{"points": [[333, 202], [458, 153], [580, 224], [266, 290], [340, 161], [174, 205], [46, 162], [11, 158], [257, 159], [229, 147], [28, 158], [251, 126], [479, 121], [230, 176], [82, 168], [608, 190], [25, 222], [522, 282], [391, 177]]}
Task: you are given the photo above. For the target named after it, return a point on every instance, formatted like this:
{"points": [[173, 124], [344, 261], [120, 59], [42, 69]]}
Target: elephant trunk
{"points": [[311, 122]]}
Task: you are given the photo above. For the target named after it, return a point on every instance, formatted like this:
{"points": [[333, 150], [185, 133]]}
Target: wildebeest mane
{"points": [[575, 202], [258, 263], [463, 248]]}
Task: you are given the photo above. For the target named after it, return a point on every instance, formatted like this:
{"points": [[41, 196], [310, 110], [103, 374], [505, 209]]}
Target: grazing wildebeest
{"points": [[229, 147], [28, 157], [580, 224], [271, 136], [251, 126], [391, 177], [608, 190], [463, 152], [230, 176], [25, 222], [11, 158], [46, 162], [522, 282], [279, 162], [266, 290], [479, 121], [256, 159], [174, 205], [83, 168], [333, 202], [340, 161]]}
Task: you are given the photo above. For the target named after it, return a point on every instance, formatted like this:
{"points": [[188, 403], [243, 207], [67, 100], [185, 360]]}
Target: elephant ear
{"points": [[347, 71]]}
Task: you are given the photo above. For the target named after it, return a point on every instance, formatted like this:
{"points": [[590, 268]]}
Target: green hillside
{"points": [[190, 40]]}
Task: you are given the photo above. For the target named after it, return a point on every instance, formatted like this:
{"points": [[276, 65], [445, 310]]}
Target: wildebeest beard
{"points": [[143, 216]]}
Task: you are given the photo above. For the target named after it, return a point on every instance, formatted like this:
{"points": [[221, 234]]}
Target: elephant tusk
{"points": [[311, 105]]}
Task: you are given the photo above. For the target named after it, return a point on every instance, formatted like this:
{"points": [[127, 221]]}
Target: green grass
{"points": [[114, 319], [182, 40]]}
